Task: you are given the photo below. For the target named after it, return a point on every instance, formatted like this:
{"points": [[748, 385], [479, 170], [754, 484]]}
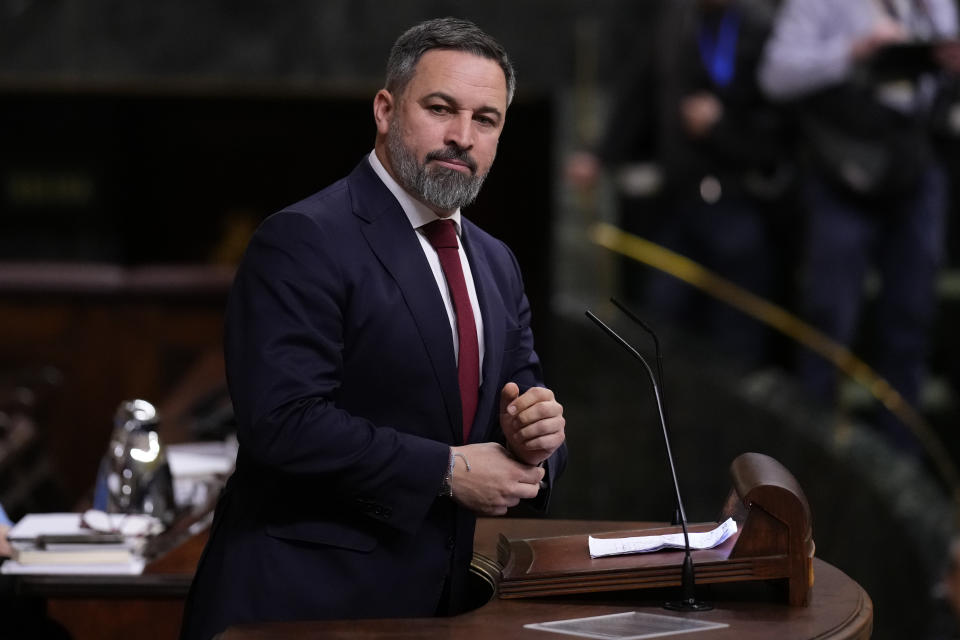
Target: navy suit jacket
{"points": [[342, 372]]}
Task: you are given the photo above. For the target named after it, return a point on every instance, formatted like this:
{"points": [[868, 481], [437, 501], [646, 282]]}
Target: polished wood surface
{"points": [[112, 333], [838, 607], [774, 542], [151, 605], [146, 607]]}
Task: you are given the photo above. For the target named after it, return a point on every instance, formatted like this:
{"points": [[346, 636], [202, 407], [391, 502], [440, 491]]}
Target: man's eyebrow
{"points": [[453, 102]]}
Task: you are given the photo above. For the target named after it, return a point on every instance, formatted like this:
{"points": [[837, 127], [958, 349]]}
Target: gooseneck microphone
{"points": [[677, 518], [688, 601], [656, 342]]}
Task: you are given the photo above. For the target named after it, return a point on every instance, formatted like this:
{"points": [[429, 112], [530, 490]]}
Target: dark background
{"points": [[148, 135]]}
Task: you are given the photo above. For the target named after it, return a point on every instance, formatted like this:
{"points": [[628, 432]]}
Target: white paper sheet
{"points": [[600, 547], [33, 525], [132, 568], [633, 625], [201, 459]]}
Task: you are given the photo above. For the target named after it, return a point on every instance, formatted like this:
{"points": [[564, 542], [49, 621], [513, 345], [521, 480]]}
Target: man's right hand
{"points": [[495, 481], [582, 170], [699, 112]]}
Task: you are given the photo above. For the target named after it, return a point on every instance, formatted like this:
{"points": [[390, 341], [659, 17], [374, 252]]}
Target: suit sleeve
{"points": [[524, 369], [803, 55], [284, 354]]}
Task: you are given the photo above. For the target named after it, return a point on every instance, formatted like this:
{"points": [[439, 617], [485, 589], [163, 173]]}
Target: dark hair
{"points": [[443, 33]]}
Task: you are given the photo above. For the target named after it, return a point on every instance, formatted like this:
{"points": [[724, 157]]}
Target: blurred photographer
{"points": [[863, 75]]}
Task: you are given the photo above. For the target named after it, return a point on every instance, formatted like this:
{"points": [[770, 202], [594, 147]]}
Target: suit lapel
{"points": [[493, 311], [396, 246]]}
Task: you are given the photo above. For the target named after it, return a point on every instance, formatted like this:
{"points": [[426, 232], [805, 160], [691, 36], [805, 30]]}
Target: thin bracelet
{"points": [[453, 461], [446, 489]]}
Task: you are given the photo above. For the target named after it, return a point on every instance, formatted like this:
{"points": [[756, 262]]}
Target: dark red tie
{"points": [[442, 235]]}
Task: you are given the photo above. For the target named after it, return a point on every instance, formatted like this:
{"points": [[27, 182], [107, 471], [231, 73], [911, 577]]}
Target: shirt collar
{"points": [[417, 213]]}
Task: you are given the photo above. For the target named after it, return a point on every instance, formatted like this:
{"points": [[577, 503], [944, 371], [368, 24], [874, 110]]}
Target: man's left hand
{"points": [[700, 112], [533, 423]]}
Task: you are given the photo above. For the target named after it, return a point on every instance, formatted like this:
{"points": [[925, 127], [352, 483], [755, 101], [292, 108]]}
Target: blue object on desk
{"points": [[4, 518]]}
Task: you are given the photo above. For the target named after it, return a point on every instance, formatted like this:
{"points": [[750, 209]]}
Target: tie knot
{"points": [[441, 234]]}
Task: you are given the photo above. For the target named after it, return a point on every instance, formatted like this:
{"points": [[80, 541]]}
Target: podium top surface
{"points": [[839, 608]]}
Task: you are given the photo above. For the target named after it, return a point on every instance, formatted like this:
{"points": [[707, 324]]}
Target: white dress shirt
{"points": [[419, 215]]}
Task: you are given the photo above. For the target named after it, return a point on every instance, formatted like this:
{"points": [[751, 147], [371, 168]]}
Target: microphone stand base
{"points": [[687, 605]]}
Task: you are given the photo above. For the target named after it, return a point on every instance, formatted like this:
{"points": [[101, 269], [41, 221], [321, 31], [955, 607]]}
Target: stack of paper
{"points": [[199, 470], [601, 547], [66, 543]]}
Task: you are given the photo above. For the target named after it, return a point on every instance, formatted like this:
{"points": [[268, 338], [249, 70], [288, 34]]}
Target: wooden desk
{"points": [[113, 333], [146, 607], [150, 606]]}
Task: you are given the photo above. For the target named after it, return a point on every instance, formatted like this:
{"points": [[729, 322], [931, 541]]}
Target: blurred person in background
{"points": [[693, 107], [874, 195]]}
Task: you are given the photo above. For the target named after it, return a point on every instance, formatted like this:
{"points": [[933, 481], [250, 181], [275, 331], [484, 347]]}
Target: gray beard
{"points": [[437, 187]]}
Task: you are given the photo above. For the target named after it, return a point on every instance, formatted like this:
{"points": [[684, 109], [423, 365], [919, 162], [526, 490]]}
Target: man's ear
{"points": [[383, 107]]}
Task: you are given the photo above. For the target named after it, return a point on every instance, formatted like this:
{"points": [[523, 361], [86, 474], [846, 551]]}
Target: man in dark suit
{"points": [[384, 396]]}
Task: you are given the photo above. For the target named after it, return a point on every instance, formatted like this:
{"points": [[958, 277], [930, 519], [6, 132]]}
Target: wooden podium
{"points": [[106, 607], [773, 542], [839, 608]]}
